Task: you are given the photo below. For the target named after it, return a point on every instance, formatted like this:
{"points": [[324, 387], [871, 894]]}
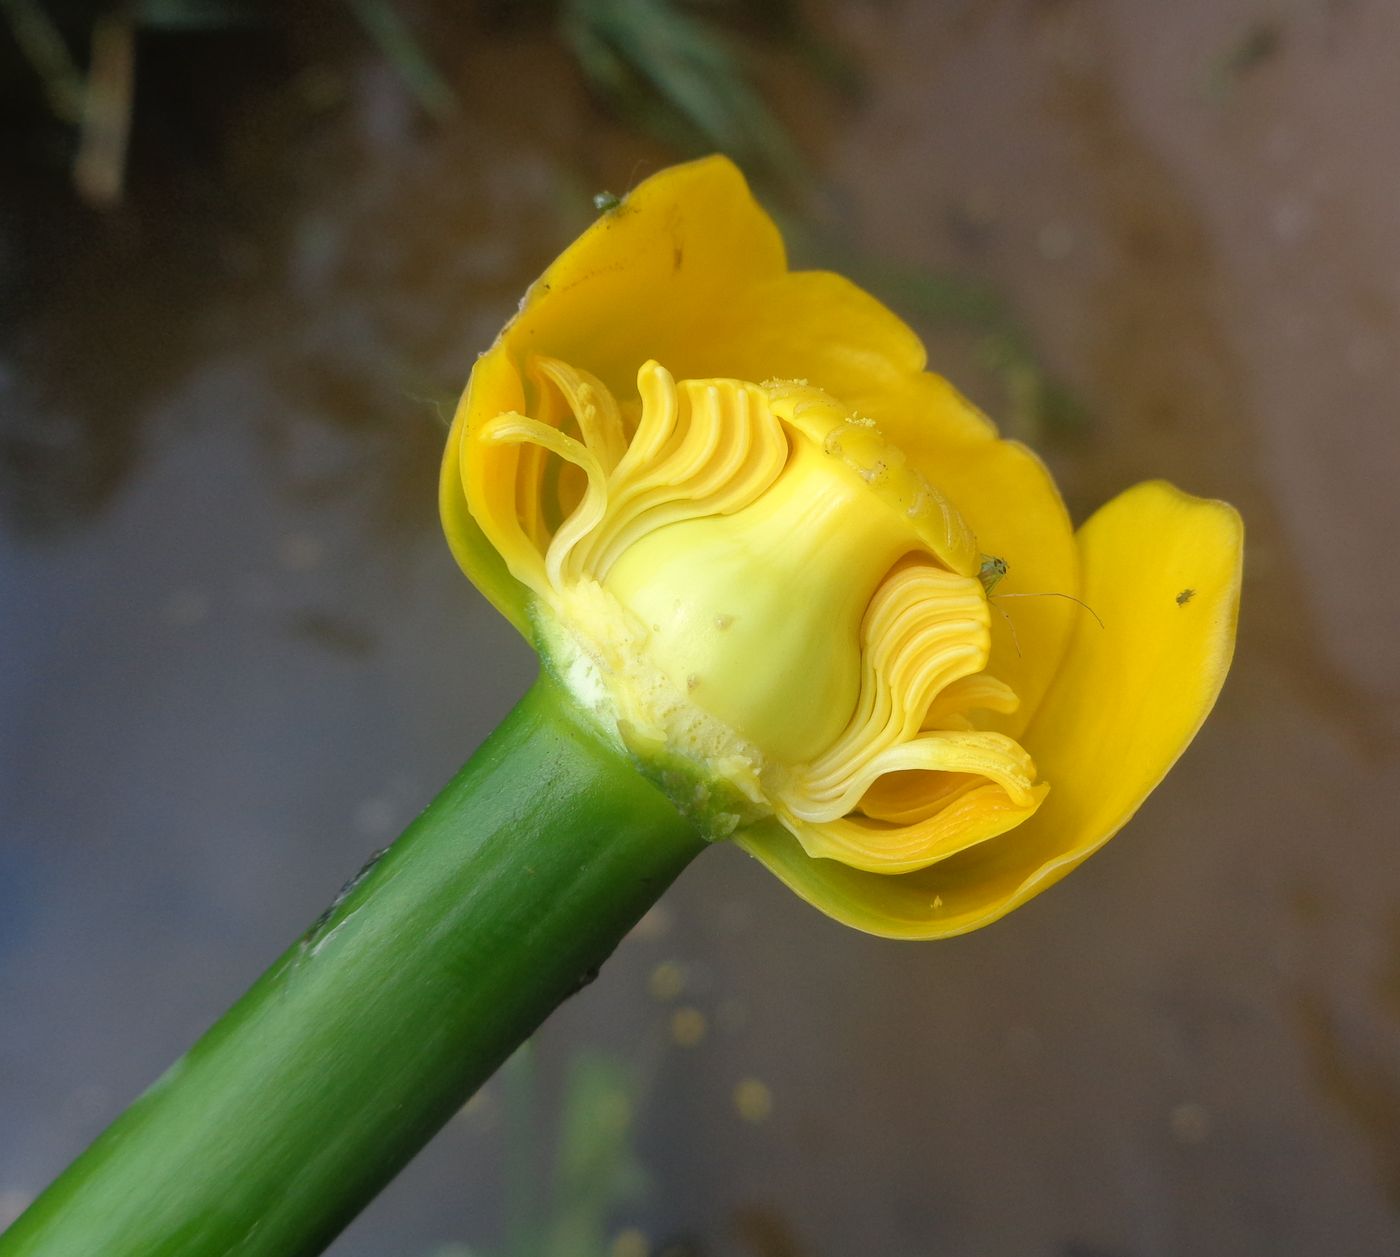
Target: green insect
{"points": [[605, 202], [993, 571]]}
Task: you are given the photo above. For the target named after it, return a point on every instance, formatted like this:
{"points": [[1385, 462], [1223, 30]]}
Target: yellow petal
{"points": [[653, 278], [1162, 568]]}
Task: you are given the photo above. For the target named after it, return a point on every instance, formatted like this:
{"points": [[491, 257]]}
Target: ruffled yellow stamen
{"points": [[753, 581]]}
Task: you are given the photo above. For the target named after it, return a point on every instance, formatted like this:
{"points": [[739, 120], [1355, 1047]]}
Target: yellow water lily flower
{"points": [[761, 544]]}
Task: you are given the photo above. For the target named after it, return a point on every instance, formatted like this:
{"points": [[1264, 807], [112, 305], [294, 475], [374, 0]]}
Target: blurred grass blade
{"points": [[99, 170], [42, 44], [383, 24], [595, 1170], [677, 74], [524, 1204], [196, 15]]}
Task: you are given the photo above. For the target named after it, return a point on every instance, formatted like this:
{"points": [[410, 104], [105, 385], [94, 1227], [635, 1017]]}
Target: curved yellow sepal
{"points": [[1162, 570], [492, 383]]}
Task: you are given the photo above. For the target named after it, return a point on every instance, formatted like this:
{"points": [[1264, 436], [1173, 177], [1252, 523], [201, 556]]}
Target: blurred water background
{"points": [[247, 256]]}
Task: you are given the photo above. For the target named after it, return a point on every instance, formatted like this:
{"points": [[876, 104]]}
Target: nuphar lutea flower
{"points": [[763, 545]]}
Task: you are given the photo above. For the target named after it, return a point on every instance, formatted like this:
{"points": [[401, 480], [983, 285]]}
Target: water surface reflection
{"points": [[237, 657]]}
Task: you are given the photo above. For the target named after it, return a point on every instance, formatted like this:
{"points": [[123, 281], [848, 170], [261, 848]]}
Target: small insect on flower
{"points": [[1185, 596], [604, 202], [991, 572]]}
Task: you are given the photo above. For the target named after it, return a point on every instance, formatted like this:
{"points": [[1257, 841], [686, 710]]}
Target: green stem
{"points": [[287, 1117]]}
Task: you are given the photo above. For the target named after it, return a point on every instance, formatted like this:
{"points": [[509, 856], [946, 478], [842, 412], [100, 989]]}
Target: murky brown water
{"points": [[237, 656]]}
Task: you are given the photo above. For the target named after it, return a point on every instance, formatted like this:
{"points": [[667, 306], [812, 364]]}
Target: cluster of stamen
{"points": [[618, 518]]}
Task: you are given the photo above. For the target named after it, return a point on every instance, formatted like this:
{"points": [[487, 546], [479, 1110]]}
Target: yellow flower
{"points": [[751, 533]]}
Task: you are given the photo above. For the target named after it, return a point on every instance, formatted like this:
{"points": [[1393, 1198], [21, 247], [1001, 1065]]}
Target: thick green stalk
{"points": [[296, 1107]]}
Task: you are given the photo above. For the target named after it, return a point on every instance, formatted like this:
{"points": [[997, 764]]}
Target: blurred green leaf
{"points": [[595, 1170], [196, 15]]}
